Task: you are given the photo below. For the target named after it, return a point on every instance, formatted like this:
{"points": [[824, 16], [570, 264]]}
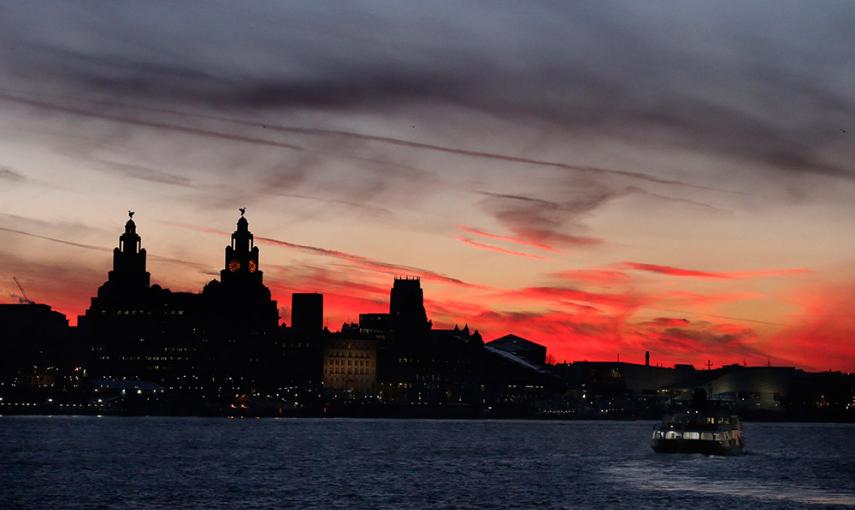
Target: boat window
{"points": [[691, 435], [672, 435], [706, 436]]}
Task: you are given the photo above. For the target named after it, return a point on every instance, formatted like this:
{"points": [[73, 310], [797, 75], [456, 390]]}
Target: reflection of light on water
{"points": [[642, 476]]}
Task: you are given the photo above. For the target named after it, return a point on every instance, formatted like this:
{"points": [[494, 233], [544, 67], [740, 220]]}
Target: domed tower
{"points": [[241, 263], [240, 300], [129, 273], [135, 330], [241, 320]]}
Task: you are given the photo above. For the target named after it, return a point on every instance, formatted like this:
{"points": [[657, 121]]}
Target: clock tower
{"points": [[240, 319], [241, 256], [240, 303]]}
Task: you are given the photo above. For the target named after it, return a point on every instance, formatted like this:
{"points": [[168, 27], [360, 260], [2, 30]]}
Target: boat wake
{"points": [[638, 476]]}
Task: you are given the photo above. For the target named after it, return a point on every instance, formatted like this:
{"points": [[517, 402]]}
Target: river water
{"points": [[212, 463]]}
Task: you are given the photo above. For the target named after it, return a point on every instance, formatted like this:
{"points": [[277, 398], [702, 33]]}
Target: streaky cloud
{"points": [[95, 247], [497, 249], [8, 174], [715, 275], [400, 142], [36, 103], [510, 239], [360, 260]]}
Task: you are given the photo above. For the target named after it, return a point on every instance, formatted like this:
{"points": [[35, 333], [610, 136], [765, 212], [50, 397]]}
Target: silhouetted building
{"points": [[443, 367], [303, 342], [307, 313], [374, 325], [513, 384], [617, 378], [135, 330], [35, 343], [526, 349], [755, 388], [239, 344], [408, 319]]}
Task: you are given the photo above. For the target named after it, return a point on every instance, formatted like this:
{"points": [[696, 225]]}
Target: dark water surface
{"points": [[90, 462]]}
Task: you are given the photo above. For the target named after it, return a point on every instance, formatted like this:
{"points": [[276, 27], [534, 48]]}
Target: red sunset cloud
{"points": [[601, 277], [717, 275], [510, 239], [497, 249]]}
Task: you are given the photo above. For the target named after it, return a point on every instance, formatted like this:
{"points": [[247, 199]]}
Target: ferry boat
{"points": [[695, 431], [706, 427]]}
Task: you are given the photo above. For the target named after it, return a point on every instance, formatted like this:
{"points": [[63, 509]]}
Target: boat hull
{"points": [[695, 446]]}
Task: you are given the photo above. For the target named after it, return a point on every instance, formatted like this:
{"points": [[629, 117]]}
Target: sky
{"points": [[604, 178]]}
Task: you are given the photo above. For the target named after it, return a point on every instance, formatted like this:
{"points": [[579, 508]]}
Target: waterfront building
{"points": [[36, 344], [303, 343], [512, 384], [407, 317], [530, 351], [307, 313], [239, 337], [136, 330], [350, 363]]}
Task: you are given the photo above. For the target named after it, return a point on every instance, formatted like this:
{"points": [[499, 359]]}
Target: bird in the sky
{"points": [[242, 210]]}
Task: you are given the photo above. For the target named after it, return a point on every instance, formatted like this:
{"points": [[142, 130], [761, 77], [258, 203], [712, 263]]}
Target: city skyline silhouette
{"points": [[646, 205], [664, 356], [445, 254], [225, 350]]}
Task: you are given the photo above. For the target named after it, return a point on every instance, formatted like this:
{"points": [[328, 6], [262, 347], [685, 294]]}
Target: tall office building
{"points": [[408, 319], [307, 313]]}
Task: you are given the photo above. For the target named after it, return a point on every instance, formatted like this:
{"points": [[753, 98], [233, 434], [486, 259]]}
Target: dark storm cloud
{"points": [[730, 81]]}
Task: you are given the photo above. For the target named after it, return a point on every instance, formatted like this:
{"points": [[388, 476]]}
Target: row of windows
{"points": [[147, 358], [351, 371], [143, 312], [350, 362], [347, 354], [100, 348], [339, 379]]}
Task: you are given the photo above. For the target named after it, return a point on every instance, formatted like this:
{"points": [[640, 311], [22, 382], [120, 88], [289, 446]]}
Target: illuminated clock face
{"points": [[234, 265], [252, 266]]}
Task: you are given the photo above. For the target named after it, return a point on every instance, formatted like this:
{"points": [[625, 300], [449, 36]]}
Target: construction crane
{"points": [[22, 299]]}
